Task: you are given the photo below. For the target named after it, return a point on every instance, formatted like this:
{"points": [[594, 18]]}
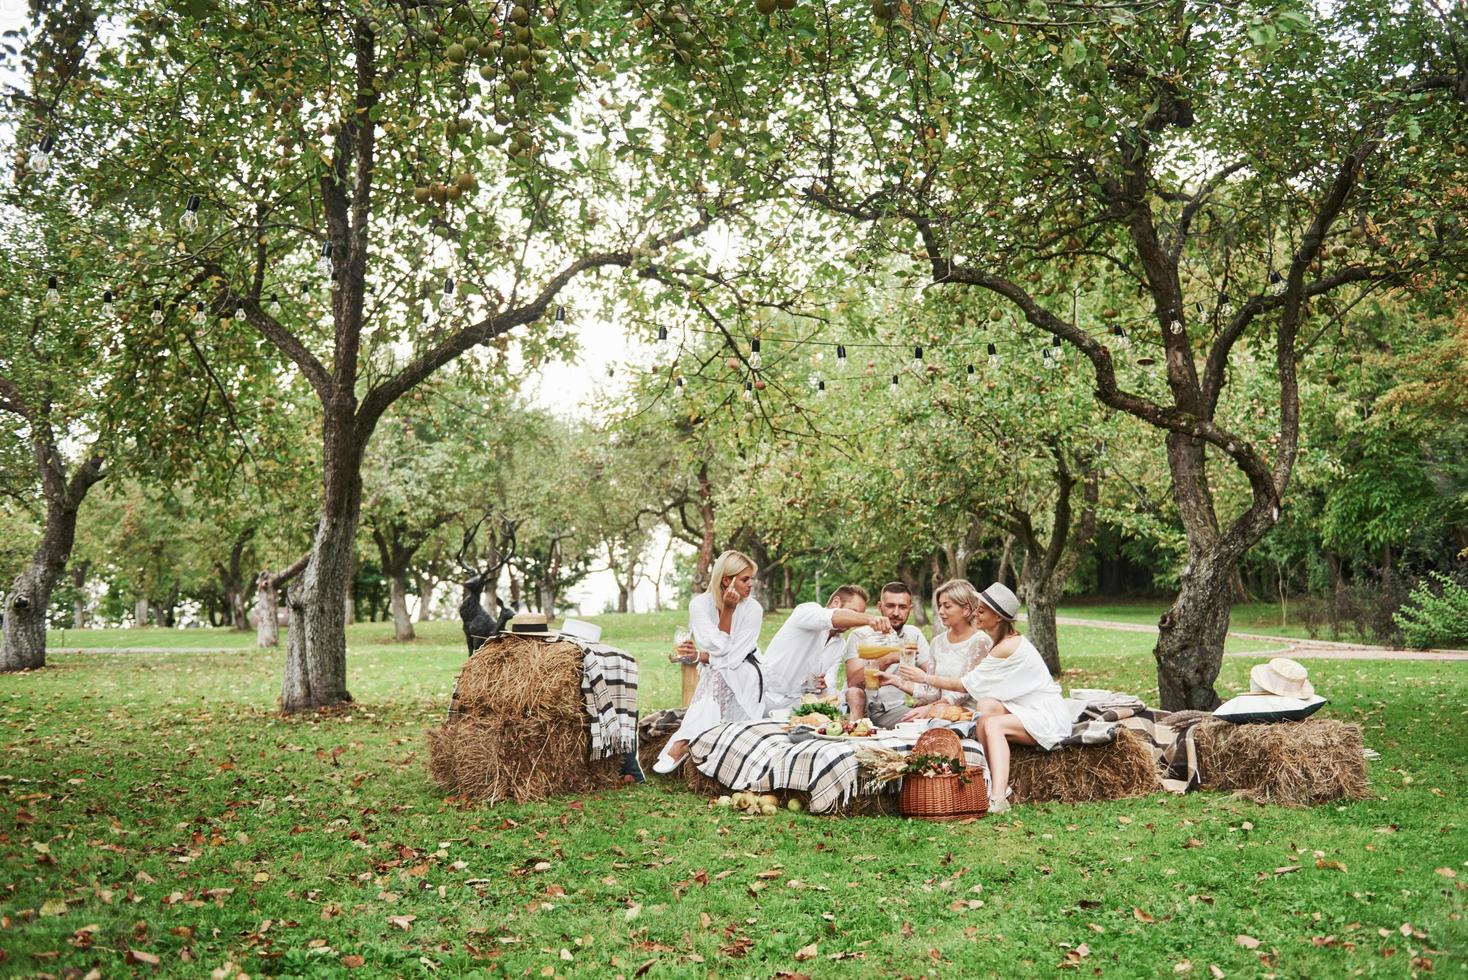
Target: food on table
{"points": [[952, 712]]}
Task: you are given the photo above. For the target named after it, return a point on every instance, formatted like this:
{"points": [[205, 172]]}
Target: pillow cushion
{"points": [[1267, 707]]}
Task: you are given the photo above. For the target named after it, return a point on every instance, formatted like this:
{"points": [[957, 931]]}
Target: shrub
{"points": [[1435, 617]]}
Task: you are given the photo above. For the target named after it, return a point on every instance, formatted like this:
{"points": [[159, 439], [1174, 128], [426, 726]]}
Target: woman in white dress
{"points": [[954, 651], [1017, 699], [725, 623]]}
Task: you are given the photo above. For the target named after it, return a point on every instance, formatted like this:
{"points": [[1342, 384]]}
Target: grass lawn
{"points": [[159, 819], [1246, 617]]}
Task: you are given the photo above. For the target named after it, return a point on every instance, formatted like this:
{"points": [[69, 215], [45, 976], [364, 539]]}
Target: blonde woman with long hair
{"points": [[725, 623]]}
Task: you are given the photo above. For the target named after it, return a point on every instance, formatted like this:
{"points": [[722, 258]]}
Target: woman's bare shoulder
{"points": [[1006, 646]]}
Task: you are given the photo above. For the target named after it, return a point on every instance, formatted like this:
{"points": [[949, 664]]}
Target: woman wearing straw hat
{"points": [[725, 623], [1017, 699]]}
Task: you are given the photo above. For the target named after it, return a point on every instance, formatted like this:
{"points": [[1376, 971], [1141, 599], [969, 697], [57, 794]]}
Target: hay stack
{"points": [[1294, 763], [1081, 774], [517, 727]]}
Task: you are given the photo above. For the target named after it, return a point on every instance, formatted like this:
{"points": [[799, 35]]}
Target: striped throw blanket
{"points": [[761, 756], [1169, 734], [609, 688]]}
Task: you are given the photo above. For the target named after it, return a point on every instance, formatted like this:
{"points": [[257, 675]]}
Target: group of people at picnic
{"points": [[977, 661]]}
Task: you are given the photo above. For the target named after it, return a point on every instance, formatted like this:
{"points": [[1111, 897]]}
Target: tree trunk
{"points": [[79, 599], [1189, 647], [316, 646], [426, 588], [267, 630], [623, 605], [140, 611], [787, 590], [706, 518], [402, 623], [1006, 561], [1040, 610], [23, 633], [909, 578]]}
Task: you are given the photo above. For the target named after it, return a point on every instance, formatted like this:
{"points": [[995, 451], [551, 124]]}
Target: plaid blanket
{"points": [[609, 687], [761, 756], [1169, 734]]}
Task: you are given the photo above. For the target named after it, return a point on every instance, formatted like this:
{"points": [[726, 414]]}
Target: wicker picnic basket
{"points": [[944, 797]]}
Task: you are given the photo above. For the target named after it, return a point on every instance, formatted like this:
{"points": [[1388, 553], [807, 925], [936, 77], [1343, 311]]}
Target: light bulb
{"points": [[560, 314], [815, 380], [1199, 307], [661, 347], [274, 306], [754, 357], [1046, 359], [678, 388], [1122, 340], [323, 262], [1175, 323], [198, 317], [189, 220], [973, 375], [40, 158], [840, 356], [305, 292], [109, 303], [239, 311], [821, 390], [892, 388], [748, 391], [1224, 306], [1276, 283], [993, 355], [449, 300], [1057, 352], [158, 311], [53, 291], [917, 360]]}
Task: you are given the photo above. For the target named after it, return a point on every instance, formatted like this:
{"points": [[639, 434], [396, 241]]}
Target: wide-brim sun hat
{"points": [[528, 622], [999, 598], [1281, 676]]}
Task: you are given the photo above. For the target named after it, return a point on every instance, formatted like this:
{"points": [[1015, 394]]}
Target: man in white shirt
{"points": [[809, 643], [885, 706]]}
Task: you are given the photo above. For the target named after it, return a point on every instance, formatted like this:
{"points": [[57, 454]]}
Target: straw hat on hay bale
{"points": [[1294, 763], [517, 727]]}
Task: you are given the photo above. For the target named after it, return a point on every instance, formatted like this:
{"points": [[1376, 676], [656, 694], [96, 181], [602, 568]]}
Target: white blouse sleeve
{"points": [[725, 649]]}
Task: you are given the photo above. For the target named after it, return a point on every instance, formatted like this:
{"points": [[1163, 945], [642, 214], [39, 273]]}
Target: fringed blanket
{"points": [[609, 687], [1169, 734], [761, 756]]}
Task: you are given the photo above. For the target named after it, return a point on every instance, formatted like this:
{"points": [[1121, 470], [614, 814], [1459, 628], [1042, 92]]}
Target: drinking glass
{"points": [[814, 684], [681, 635], [909, 659]]}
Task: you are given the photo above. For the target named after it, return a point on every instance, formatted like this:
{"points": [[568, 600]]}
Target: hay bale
{"points": [[517, 727], [1081, 774], [1293, 763], [495, 758], [520, 677]]}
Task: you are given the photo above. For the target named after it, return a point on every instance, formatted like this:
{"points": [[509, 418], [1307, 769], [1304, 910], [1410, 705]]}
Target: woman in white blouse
{"points": [[725, 623], [955, 650], [1017, 699]]}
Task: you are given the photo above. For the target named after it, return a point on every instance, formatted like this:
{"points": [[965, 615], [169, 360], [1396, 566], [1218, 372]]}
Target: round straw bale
{"points": [[520, 677], [1294, 763], [1081, 774], [495, 758]]}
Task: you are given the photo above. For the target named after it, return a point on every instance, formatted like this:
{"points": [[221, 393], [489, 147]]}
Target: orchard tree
{"points": [[1252, 171], [314, 179]]}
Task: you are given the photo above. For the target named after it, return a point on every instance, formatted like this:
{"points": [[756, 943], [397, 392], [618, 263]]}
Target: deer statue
{"points": [[479, 625]]}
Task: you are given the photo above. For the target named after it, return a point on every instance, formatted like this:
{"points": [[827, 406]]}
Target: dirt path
{"points": [[1291, 646]]}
